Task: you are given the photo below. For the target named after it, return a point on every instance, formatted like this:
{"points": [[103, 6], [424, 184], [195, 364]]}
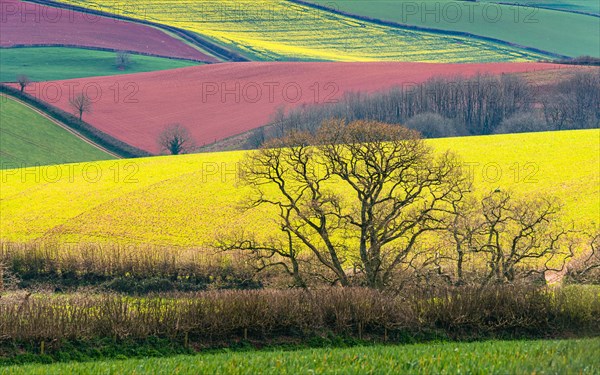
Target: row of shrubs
{"points": [[131, 269], [137, 269], [208, 319], [93, 134]]}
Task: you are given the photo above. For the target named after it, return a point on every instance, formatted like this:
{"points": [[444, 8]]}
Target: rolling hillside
{"points": [[26, 24], [56, 63], [585, 6], [282, 30], [27, 139], [550, 30], [221, 100], [186, 200]]}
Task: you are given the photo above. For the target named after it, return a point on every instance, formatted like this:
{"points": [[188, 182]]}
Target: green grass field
{"points": [[564, 5], [494, 357], [28, 139], [56, 63], [563, 33], [187, 200]]}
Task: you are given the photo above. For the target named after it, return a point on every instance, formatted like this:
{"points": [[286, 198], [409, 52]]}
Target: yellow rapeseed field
{"points": [[186, 200], [279, 29]]}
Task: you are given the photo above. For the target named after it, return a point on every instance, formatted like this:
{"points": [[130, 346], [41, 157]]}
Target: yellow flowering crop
{"points": [[187, 200], [279, 29]]}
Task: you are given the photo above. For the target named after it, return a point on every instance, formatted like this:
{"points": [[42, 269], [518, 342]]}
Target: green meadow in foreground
{"points": [[57, 63], [27, 138], [550, 30], [492, 357]]}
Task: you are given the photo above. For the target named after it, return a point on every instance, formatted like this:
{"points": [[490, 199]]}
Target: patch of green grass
{"points": [[554, 31], [493, 357], [564, 5], [57, 63], [27, 139]]}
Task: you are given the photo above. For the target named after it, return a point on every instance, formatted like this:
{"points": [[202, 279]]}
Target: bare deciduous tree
{"points": [[123, 60], [81, 104], [397, 191], [586, 268], [23, 81], [576, 102], [509, 239], [176, 140]]}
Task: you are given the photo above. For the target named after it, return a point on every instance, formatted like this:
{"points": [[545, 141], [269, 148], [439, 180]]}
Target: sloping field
{"points": [[27, 139], [33, 24], [555, 31], [281, 30], [186, 200], [221, 100], [55, 63], [585, 6]]}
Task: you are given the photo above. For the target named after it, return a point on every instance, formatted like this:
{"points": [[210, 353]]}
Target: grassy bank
{"points": [[30, 139], [494, 357]]}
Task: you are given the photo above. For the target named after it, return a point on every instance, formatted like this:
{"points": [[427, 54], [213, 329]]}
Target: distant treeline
{"points": [[446, 107], [580, 60]]}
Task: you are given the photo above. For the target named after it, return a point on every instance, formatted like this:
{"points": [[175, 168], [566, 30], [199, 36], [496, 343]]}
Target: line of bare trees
{"points": [[443, 107], [575, 103], [367, 203]]}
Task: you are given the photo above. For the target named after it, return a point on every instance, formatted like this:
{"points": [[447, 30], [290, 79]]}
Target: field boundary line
{"points": [[529, 5], [432, 30], [61, 124], [99, 49], [219, 51]]}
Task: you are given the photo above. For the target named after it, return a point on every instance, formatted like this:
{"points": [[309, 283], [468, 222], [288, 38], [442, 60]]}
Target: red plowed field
{"points": [[33, 24], [221, 100]]}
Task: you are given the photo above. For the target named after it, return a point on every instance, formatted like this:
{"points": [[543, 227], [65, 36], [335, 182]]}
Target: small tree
{"points": [[176, 139], [123, 60], [81, 104], [23, 81]]}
